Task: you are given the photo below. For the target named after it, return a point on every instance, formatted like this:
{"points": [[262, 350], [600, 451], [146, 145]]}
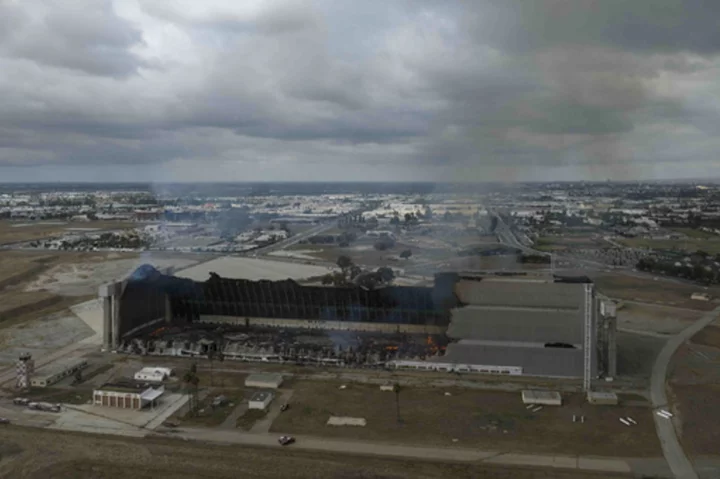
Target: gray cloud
{"points": [[639, 26], [468, 90], [85, 36]]}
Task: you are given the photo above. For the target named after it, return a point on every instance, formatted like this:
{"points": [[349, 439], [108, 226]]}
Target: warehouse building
{"points": [[57, 371], [539, 326], [532, 327], [127, 395], [153, 374]]}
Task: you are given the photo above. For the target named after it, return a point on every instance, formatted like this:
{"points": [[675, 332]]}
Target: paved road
{"points": [[280, 245], [219, 435], [418, 452], [679, 463]]}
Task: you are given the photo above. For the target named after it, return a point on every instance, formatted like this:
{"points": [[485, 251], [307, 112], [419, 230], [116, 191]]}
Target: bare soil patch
{"points": [[709, 336]]}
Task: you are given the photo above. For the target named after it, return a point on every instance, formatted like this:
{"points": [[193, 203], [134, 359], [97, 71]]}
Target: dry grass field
{"points": [[18, 269], [489, 420], [710, 336], [648, 290], [44, 454], [695, 389], [18, 231], [209, 416], [557, 243], [709, 245]]}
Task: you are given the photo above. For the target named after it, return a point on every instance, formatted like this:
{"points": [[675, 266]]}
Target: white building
{"points": [[260, 400], [126, 396], [153, 374], [700, 296]]}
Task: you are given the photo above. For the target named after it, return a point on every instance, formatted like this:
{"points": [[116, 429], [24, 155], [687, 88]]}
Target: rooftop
{"points": [[59, 366], [261, 396], [520, 293], [125, 387], [524, 325]]}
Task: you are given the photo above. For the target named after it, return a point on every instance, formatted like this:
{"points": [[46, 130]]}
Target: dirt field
{"points": [[710, 336], [43, 454], [695, 389], [651, 291], [700, 418], [17, 231], [565, 243], [492, 420], [710, 245], [656, 319]]}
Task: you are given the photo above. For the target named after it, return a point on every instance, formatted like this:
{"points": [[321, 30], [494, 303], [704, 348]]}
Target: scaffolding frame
{"points": [[587, 339]]}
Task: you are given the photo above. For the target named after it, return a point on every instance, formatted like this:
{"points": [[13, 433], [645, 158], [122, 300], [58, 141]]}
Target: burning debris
{"points": [[338, 348]]}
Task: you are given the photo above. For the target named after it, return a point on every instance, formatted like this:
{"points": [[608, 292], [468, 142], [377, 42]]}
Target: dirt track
{"points": [[42, 454]]}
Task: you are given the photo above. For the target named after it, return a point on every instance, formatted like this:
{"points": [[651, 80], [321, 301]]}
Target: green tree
{"points": [[192, 381], [386, 274], [344, 263]]}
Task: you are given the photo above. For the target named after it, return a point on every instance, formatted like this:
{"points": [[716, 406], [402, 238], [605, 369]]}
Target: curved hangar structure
{"points": [[549, 327]]}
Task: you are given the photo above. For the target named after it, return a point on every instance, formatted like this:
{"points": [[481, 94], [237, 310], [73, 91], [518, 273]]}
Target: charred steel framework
{"points": [[288, 299]]}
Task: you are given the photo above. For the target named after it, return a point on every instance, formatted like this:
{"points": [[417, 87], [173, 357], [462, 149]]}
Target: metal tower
{"points": [[24, 369], [587, 340]]}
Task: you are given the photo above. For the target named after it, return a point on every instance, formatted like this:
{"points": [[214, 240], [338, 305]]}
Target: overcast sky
{"points": [[467, 90]]}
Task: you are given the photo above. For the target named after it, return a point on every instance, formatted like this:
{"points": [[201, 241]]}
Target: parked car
{"points": [[21, 401], [286, 440], [284, 407], [219, 401], [4, 420]]}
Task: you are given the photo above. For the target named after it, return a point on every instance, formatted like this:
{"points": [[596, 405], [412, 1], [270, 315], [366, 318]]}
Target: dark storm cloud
{"points": [[84, 36], [483, 86], [640, 26]]}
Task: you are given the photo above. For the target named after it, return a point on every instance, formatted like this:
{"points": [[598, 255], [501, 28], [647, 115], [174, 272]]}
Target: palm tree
{"points": [[396, 390], [191, 380], [211, 357]]}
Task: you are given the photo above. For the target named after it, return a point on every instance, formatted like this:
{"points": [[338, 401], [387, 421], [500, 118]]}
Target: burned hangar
{"points": [[540, 327]]}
